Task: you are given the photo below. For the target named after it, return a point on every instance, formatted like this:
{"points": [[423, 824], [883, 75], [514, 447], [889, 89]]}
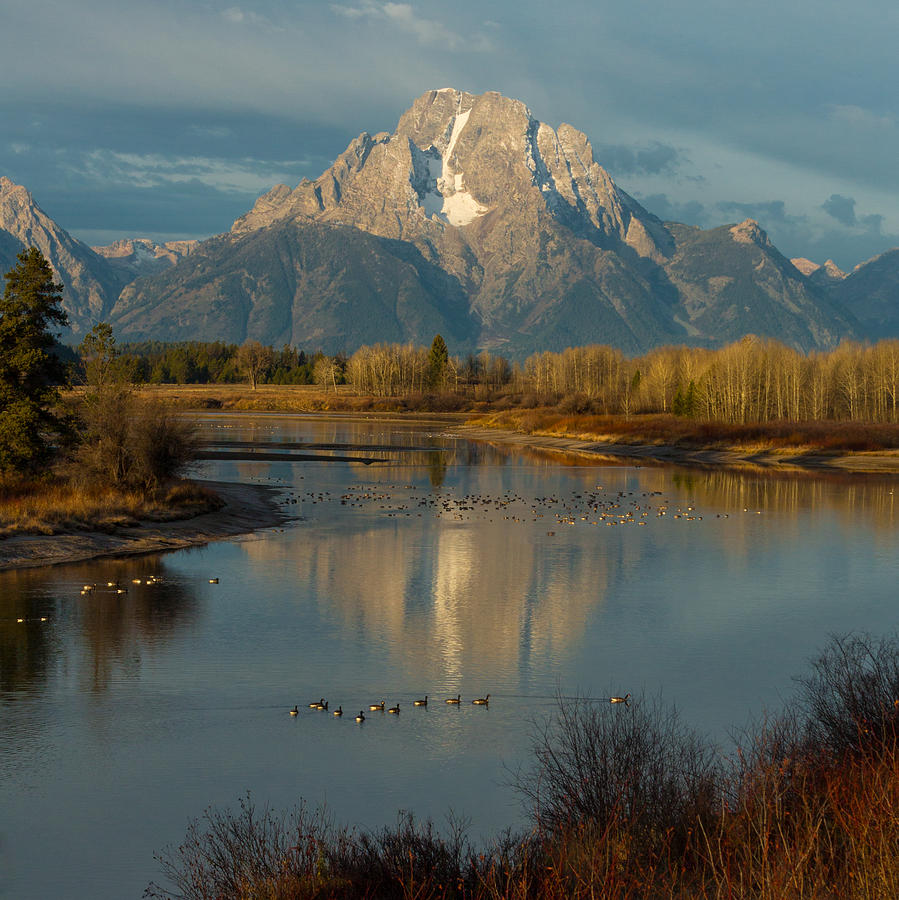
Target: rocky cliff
{"points": [[91, 286]]}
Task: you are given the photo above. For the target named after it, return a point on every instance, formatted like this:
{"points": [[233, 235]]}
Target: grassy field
{"points": [[56, 505]]}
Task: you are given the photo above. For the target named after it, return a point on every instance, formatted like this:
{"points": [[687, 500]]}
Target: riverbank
{"points": [[797, 446], [789, 446], [245, 508], [786, 459]]}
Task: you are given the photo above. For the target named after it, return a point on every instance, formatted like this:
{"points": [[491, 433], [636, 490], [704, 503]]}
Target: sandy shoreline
{"points": [[885, 463], [248, 507]]}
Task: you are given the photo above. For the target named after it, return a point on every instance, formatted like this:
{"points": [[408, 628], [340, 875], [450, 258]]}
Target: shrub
{"points": [[618, 765], [129, 443], [851, 698]]}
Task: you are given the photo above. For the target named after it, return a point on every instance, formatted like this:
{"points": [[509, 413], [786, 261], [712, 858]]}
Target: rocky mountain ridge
{"points": [[528, 225], [89, 284], [473, 219]]}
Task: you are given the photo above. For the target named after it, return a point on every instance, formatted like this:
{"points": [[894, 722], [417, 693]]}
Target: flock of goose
{"points": [[116, 587], [322, 704], [591, 507]]}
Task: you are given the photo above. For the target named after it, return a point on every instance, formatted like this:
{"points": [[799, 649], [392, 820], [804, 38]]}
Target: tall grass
{"points": [[54, 505], [626, 804]]}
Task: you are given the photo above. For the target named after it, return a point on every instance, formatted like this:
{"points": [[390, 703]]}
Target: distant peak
{"points": [[806, 266], [750, 232], [833, 270], [8, 186]]}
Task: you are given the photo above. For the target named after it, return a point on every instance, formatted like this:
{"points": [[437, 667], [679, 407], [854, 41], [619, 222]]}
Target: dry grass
{"points": [[56, 505], [822, 437], [628, 805], [518, 413]]}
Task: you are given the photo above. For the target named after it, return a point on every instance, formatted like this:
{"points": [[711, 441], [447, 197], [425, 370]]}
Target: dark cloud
{"points": [[872, 223], [141, 171], [764, 212], [654, 159], [840, 208], [690, 213]]}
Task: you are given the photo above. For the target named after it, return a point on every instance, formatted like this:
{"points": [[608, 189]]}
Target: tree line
{"points": [[751, 380]]}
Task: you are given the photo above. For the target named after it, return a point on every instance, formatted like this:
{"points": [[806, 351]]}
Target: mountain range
{"points": [[472, 219]]}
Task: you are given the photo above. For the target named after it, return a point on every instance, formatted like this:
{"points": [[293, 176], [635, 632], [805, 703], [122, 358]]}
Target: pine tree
{"points": [[30, 370], [438, 359]]}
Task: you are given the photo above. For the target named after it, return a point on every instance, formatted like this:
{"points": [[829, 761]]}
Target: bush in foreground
{"points": [[626, 804]]}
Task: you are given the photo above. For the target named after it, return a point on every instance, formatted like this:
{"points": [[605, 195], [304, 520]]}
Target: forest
{"points": [[751, 380]]}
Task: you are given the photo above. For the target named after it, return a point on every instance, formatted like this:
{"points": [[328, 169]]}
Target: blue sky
{"points": [[166, 119]]}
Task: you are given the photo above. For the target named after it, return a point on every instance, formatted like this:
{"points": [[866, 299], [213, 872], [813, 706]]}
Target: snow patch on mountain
{"points": [[445, 197]]}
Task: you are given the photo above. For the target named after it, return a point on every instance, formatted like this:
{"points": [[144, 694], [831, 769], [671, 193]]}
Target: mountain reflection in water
{"points": [[452, 568]]}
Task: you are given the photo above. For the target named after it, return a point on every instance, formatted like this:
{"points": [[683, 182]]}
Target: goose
{"points": [[213, 581], [421, 702], [295, 711], [456, 699], [625, 699], [482, 701], [317, 704], [378, 706], [394, 709], [323, 706], [361, 716], [338, 711]]}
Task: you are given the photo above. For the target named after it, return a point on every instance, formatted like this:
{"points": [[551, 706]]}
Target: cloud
{"points": [[843, 210], [872, 223], [428, 32], [155, 170], [690, 213], [655, 158], [763, 211], [859, 117], [237, 16], [840, 208]]}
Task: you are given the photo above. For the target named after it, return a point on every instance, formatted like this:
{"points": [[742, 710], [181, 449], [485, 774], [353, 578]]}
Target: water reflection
{"points": [[93, 637], [453, 568]]}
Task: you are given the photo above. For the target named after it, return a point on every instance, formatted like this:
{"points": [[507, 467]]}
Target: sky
{"points": [[167, 118]]}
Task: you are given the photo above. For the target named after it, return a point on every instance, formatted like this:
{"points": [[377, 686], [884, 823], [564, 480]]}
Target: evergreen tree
{"points": [[438, 359], [30, 370]]}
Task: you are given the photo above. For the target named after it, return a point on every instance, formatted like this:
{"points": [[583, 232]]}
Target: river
{"points": [[425, 565]]}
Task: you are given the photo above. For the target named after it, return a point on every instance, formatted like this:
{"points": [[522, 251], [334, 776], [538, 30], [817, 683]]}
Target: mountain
{"points": [[320, 286], [471, 218], [134, 257], [92, 278], [90, 284], [871, 293], [733, 281], [507, 233]]}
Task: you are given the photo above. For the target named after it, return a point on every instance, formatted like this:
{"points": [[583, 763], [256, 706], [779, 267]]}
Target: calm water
{"points": [[447, 568]]}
